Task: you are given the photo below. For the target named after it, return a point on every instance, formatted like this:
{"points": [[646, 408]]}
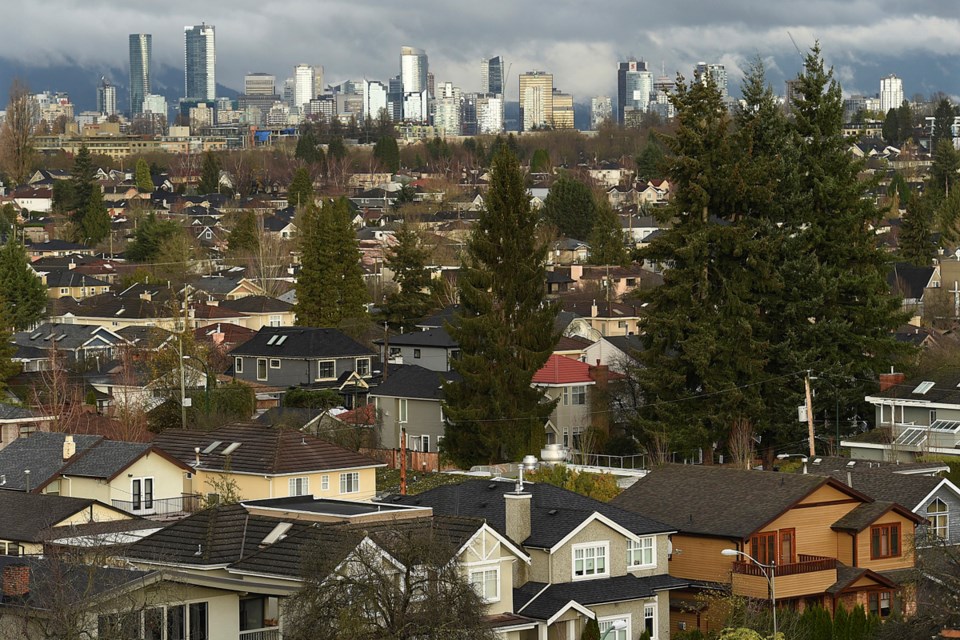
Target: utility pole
{"points": [[806, 384]]}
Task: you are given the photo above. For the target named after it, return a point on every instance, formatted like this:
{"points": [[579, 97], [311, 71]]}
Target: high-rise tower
{"points": [[491, 75], [106, 98], [140, 51], [200, 62], [634, 86], [536, 100], [413, 78]]}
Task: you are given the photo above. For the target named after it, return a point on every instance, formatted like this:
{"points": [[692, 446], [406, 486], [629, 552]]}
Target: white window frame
{"points": [[298, 486], [265, 374], [64, 291], [146, 506], [607, 621], [583, 549], [276, 321], [347, 479], [636, 550], [403, 411], [941, 531], [652, 609], [238, 365], [480, 586], [366, 371], [571, 393], [325, 482], [274, 366], [334, 369], [418, 443]]}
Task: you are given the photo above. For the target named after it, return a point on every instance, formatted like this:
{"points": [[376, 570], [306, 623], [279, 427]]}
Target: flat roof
{"points": [[326, 506]]}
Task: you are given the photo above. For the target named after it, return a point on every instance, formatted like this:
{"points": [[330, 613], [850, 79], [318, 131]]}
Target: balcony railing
{"points": [[805, 564], [161, 507], [270, 633]]}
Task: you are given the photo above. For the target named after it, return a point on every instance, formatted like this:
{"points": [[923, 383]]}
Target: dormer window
{"points": [[641, 553]]}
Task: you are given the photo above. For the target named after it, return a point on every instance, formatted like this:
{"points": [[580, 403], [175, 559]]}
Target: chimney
{"points": [[69, 447], [517, 512], [16, 580], [850, 479], [891, 379]]}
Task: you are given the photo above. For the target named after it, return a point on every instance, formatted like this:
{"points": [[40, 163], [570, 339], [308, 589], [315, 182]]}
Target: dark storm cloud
{"points": [[579, 42]]}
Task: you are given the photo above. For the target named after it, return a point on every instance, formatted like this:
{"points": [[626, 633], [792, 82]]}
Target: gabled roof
{"points": [[71, 278], [26, 515], [257, 304], [301, 342], [68, 337], [544, 601], [261, 450], [909, 280], [944, 388], [562, 370], [864, 515], [413, 381], [907, 490], [429, 338], [554, 512], [54, 581], [737, 503]]}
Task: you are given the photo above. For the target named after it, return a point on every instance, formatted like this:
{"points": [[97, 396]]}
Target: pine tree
{"points": [[300, 191], [82, 177], [330, 288], [408, 261], [308, 147], [943, 118], [387, 153], [891, 127], [244, 238], [143, 178], [23, 292], [905, 120], [95, 224], [540, 161], [209, 175], [504, 329], [606, 240], [570, 207], [149, 237], [916, 243]]}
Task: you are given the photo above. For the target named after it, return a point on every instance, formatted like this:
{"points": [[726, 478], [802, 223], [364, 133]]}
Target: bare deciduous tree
{"points": [[16, 147]]}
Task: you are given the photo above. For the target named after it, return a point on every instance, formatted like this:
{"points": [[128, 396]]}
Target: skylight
{"points": [[213, 445], [279, 532], [950, 426], [923, 387], [281, 340], [272, 339], [231, 448], [912, 437], [35, 336]]}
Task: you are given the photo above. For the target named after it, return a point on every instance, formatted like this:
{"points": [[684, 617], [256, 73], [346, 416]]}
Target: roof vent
{"points": [[851, 463]]}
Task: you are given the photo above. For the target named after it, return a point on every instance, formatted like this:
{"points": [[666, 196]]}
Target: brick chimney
{"points": [[69, 447], [891, 379], [16, 580], [517, 515]]}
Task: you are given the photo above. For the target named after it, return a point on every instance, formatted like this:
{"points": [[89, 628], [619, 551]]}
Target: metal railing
{"points": [[160, 507], [271, 633], [805, 564], [635, 461]]}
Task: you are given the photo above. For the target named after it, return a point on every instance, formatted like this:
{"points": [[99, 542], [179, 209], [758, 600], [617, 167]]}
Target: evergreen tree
{"points": [[82, 176], [308, 147], [591, 630], [943, 118], [300, 191], [209, 174], [336, 150], [891, 127], [149, 238], [540, 161], [387, 153], [143, 178], [905, 120], [944, 174], [244, 238], [570, 208], [95, 224], [408, 261], [330, 288], [606, 240], [504, 329], [24, 295], [650, 160], [916, 244]]}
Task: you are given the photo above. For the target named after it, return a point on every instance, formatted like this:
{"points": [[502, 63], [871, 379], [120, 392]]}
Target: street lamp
{"points": [[616, 625], [768, 573]]}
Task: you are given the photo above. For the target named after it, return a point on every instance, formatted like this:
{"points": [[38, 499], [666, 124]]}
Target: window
{"points": [[153, 624], [198, 621], [455, 354], [141, 494], [275, 321], [880, 603], [938, 515], [261, 368], [641, 554], [486, 582], [763, 547], [350, 482], [933, 416], [64, 291], [884, 541], [418, 443], [274, 363], [176, 623], [299, 486], [363, 366], [787, 546], [326, 369], [402, 410], [606, 624], [590, 560], [575, 395], [416, 353], [650, 620], [324, 483]]}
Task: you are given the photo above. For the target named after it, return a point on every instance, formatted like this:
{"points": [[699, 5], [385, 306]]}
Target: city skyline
{"points": [[582, 51]]}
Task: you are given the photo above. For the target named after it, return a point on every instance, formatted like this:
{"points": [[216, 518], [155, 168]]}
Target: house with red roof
{"points": [[577, 387]]}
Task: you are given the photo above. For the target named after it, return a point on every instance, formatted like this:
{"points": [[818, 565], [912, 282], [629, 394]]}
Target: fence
{"points": [[416, 460]]}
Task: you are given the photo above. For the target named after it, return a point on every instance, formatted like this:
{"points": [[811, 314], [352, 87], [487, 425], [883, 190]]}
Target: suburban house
{"points": [[306, 357], [260, 548], [19, 422], [588, 559], [832, 544], [617, 352], [913, 418], [135, 385], [56, 249], [262, 311], [432, 349], [64, 282], [411, 398], [71, 343], [597, 318], [227, 285], [572, 384], [256, 461], [134, 477]]}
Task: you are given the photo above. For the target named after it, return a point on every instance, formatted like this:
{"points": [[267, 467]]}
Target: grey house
{"points": [[306, 357], [73, 343], [411, 398], [432, 349]]}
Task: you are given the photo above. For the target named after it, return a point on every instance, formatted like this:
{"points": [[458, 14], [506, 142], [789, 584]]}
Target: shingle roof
{"points": [[257, 304], [429, 338], [105, 459], [945, 388], [413, 381], [301, 342], [562, 370], [68, 337], [554, 512], [715, 500], [71, 278], [262, 450], [867, 513], [54, 582], [42, 454], [13, 412], [909, 280], [26, 515], [906, 490], [542, 601]]}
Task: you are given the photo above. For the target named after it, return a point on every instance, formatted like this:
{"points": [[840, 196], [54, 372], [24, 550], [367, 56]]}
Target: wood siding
{"points": [[699, 558]]}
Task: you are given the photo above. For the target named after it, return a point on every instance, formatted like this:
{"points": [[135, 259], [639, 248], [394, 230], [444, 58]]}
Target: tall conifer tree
{"points": [[24, 295], [408, 261]]}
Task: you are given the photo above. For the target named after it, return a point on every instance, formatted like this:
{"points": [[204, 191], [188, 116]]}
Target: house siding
{"points": [[903, 561], [699, 558], [258, 487], [433, 358], [294, 372], [953, 514], [423, 418]]}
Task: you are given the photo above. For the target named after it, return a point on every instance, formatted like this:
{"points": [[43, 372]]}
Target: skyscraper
{"points": [[106, 98], [140, 51], [413, 79], [374, 99], [634, 86], [491, 75], [303, 87], [600, 111], [891, 93], [259, 84], [715, 71], [536, 99], [200, 63]]}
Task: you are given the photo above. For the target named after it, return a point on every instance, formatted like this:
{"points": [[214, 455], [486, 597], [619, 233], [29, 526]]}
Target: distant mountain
{"points": [[81, 83]]}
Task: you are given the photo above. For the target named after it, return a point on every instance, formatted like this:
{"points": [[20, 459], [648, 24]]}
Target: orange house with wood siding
{"points": [[830, 544]]}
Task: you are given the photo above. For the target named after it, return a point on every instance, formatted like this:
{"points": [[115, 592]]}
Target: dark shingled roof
{"points": [[554, 512], [538, 600], [413, 381], [257, 304], [429, 338], [301, 342], [54, 581], [13, 412], [42, 454], [27, 515], [716, 500], [905, 490], [945, 389], [827, 465], [867, 513], [262, 450], [105, 459]]}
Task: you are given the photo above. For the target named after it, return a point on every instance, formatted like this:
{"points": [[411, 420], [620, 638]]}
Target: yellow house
{"points": [[252, 461]]}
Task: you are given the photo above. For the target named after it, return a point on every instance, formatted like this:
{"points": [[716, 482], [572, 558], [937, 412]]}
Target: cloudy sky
{"points": [[579, 42]]}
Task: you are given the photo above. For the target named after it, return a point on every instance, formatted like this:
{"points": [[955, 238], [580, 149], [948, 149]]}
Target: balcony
{"points": [[267, 633], [810, 575], [161, 508]]}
